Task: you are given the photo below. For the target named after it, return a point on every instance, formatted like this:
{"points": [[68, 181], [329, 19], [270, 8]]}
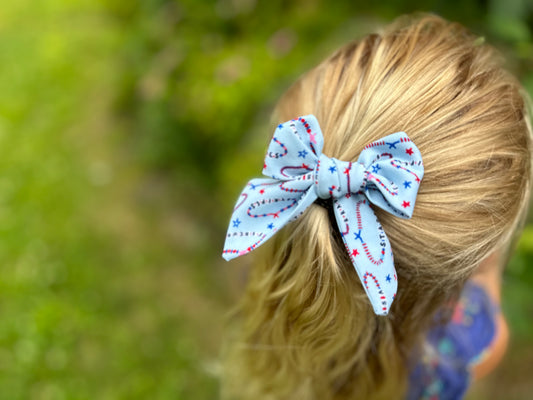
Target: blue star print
{"points": [[332, 169], [236, 223], [270, 226], [388, 278], [358, 236], [393, 144], [302, 153], [407, 184], [376, 168]]}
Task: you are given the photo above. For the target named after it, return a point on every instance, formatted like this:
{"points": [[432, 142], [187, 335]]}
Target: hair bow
{"points": [[387, 174]]}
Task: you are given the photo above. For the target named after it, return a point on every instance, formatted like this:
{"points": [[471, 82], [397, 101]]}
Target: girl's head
{"points": [[309, 328]]}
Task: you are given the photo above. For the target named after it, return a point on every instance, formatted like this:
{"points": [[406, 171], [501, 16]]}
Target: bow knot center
{"points": [[335, 178]]}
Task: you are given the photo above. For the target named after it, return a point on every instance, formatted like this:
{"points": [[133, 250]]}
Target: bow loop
{"points": [[395, 172], [304, 139]]}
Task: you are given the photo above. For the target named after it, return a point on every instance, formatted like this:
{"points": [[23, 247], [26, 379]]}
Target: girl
{"points": [[310, 327]]}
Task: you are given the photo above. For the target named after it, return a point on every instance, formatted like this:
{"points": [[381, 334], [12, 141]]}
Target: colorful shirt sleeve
{"points": [[451, 350]]}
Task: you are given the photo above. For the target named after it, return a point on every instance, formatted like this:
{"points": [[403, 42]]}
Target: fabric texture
{"points": [[387, 174], [451, 350]]}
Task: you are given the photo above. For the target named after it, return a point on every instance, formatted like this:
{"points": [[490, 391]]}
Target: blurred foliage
{"points": [[123, 124]]}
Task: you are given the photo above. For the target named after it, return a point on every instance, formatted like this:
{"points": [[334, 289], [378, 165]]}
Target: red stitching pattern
{"points": [[374, 144]]}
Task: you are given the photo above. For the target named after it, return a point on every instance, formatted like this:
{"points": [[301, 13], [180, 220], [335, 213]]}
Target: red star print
{"points": [[264, 166], [406, 204], [305, 166], [276, 215], [409, 151], [418, 179], [262, 191], [355, 253], [347, 171]]}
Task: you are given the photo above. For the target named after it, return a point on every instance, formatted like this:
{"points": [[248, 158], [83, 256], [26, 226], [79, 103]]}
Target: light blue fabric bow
{"points": [[387, 174]]}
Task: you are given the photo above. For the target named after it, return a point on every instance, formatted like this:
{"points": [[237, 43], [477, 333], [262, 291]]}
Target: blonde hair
{"points": [[308, 330]]}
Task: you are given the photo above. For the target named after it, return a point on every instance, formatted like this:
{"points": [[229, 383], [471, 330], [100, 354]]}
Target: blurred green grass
{"points": [[125, 127]]}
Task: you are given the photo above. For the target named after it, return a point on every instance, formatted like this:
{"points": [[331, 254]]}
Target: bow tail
{"points": [[369, 249], [264, 207]]}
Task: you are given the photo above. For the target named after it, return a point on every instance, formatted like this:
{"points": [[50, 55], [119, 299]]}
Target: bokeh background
{"points": [[127, 129]]}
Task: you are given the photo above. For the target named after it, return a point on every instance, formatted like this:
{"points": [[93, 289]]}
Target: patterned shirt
{"points": [[451, 350]]}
